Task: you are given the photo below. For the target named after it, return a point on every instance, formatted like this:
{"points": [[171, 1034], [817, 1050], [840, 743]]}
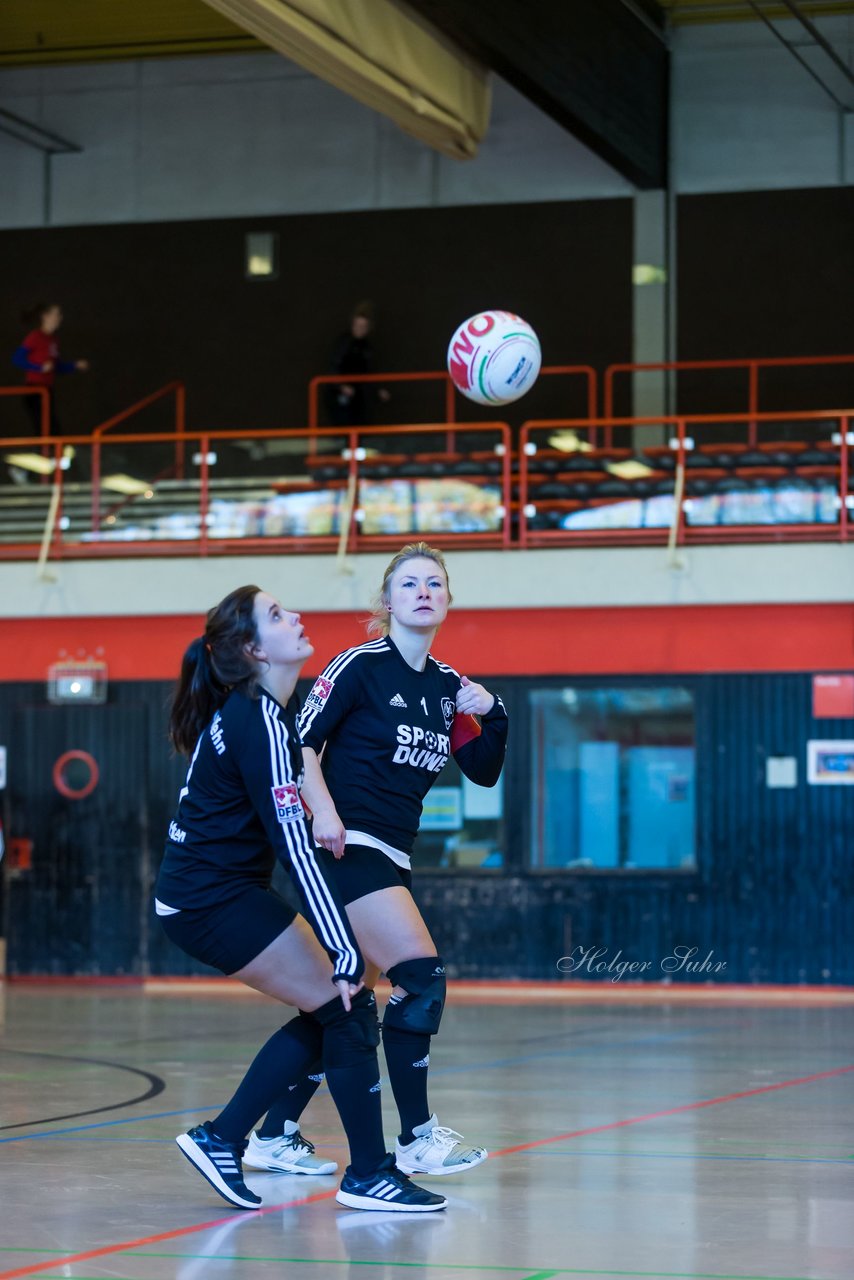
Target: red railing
{"points": [[171, 388], [45, 405], [585, 371], [681, 445], [354, 454], [753, 366], [33, 391]]}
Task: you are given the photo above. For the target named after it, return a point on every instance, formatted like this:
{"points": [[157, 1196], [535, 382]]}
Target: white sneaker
{"points": [[290, 1152], [436, 1150]]}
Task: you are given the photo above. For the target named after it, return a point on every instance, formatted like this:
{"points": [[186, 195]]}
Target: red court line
{"points": [[164, 1235], [671, 1111], [126, 1245]]}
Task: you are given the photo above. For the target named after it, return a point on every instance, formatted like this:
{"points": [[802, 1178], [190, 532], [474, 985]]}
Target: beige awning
{"points": [[383, 55]]}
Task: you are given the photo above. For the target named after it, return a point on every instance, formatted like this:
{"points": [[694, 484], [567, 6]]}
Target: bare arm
{"points": [[327, 828]]}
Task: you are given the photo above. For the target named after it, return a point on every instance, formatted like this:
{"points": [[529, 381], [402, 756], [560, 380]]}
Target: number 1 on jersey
{"points": [[424, 705]]}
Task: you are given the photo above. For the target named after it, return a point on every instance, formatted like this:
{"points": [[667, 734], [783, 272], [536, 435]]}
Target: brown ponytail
{"points": [[213, 665]]}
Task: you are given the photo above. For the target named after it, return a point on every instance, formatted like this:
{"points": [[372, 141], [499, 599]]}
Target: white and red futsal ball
{"points": [[494, 357]]}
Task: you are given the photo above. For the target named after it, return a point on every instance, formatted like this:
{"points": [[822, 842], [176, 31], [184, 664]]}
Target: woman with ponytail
{"points": [[234, 716]]}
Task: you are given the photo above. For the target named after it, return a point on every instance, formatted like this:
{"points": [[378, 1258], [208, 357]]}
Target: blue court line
{"points": [[551, 1155], [441, 1071], [582, 1050], [106, 1124], [678, 1155]]}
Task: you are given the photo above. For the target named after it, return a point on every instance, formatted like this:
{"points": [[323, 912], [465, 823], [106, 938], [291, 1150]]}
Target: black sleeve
{"points": [[481, 755], [266, 763], [332, 696], [339, 354]]}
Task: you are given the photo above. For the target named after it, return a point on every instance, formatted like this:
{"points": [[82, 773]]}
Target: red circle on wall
{"points": [[61, 782]]}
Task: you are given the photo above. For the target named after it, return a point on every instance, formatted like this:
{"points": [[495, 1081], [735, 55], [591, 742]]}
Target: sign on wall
{"points": [[830, 763], [832, 697]]}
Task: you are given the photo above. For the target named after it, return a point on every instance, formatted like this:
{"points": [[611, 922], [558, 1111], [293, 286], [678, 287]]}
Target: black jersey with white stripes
{"points": [[239, 810], [386, 731]]}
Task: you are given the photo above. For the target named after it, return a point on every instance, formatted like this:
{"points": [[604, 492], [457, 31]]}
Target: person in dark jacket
{"points": [[352, 404], [234, 716], [38, 355]]}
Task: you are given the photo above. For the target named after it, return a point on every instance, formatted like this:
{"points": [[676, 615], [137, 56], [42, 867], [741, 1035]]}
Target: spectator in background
{"points": [[38, 356], [351, 404]]}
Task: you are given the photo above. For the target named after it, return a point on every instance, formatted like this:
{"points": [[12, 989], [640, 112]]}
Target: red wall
{"points": [[486, 642]]}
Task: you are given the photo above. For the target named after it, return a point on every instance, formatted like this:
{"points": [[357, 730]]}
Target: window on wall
{"points": [[612, 778], [461, 825]]}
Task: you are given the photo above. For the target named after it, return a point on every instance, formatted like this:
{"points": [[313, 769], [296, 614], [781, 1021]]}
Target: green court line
{"points": [[470, 1266], [432, 1266]]}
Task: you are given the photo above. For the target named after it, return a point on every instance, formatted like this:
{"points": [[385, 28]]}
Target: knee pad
{"points": [[348, 1038], [419, 1012]]}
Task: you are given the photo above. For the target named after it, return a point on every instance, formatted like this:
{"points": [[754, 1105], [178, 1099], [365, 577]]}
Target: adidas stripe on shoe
{"points": [[388, 1191], [219, 1163]]}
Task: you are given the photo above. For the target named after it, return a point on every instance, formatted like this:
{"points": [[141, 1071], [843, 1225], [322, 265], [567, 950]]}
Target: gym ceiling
{"points": [[598, 67]]}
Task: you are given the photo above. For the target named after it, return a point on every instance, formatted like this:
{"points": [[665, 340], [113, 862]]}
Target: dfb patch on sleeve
{"points": [[320, 692], [288, 804]]}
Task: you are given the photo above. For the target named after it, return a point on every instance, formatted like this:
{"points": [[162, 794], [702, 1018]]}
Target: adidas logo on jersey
{"points": [[396, 701]]}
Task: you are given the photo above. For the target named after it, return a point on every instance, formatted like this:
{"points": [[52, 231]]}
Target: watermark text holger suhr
{"points": [[594, 960]]}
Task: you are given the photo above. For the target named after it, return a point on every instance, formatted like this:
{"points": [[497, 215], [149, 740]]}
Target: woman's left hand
{"points": [[473, 699], [347, 990]]}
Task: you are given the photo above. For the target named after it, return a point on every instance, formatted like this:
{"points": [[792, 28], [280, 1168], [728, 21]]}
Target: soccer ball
{"points": [[494, 357]]}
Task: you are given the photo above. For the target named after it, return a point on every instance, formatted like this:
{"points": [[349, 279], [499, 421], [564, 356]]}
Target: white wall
{"points": [[245, 134], [557, 578], [252, 134], [748, 117]]}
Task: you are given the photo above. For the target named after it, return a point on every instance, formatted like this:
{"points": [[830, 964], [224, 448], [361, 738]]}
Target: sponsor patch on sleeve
{"points": [[288, 804], [320, 691]]}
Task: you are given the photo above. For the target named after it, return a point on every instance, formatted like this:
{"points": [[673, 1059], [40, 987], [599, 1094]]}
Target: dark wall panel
{"points": [[766, 273], [772, 896], [149, 303]]}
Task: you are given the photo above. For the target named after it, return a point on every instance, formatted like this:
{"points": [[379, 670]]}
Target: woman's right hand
{"points": [[47, 367], [328, 832]]}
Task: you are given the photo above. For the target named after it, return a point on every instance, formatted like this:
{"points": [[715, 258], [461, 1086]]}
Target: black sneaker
{"points": [[219, 1163], [388, 1190]]}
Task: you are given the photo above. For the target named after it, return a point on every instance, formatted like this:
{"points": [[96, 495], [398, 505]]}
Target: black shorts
{"points": [[364, 870], [227, 935]]}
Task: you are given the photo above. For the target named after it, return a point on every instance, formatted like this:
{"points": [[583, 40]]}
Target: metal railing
{"points": [[43, 393], [355, 458], [753, 365], [585, 371], [171, 388], [681, 445]]}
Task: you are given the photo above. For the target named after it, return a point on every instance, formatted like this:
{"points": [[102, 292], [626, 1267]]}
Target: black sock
{"points": [[352, 1072], [407, 1054], [356, 1093], [287, 1055], [292, 1104]]}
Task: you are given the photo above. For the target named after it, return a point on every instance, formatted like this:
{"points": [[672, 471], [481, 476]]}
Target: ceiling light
{"points": [[261, 255], [569, 442], [31, 462], [646, 273], [631, 469], [121, 483]]}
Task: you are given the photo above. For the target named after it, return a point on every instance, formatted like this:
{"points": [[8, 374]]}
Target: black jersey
{"points": [[387, 732], [239, 810]]}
